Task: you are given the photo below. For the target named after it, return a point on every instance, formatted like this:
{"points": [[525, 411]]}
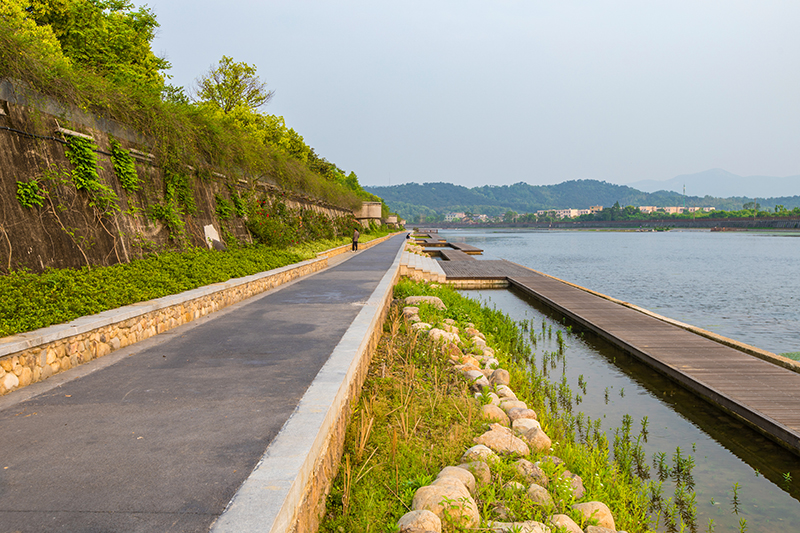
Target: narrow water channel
{"points": [[739, 474]]}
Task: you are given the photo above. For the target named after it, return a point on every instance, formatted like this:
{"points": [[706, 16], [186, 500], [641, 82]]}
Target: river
{"points": [[740, 285]]}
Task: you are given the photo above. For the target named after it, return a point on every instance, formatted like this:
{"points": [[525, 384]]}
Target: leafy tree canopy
{"points": [[231, 85], [109, 37], [38, 40]]}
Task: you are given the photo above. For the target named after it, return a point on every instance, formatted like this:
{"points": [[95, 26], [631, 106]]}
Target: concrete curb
{"points": [[288, 485]]}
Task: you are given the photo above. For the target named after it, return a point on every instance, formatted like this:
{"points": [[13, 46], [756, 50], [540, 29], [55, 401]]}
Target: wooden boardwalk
{"points": [[486, 269], [761, 393], [455, 255], [466, 248]]}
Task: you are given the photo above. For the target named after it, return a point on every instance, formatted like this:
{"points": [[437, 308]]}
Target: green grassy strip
{"points": [[31, 301], [416, 416]]}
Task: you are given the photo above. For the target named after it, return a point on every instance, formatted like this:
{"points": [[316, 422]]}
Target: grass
{"points": [[31, 301], [416, 416]]}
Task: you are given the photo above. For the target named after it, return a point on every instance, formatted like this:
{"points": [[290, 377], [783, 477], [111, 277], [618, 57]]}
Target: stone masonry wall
{"points": [[34, 356]]}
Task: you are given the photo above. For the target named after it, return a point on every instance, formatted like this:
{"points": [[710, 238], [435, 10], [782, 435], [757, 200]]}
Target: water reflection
{"points": [[725, 451]]}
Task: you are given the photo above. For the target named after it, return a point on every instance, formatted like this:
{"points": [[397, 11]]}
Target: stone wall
{"points": [[71, 233], [34, 356]]}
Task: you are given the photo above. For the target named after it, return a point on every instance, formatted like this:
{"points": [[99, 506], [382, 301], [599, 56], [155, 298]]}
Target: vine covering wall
{"points": [[78, 191]]}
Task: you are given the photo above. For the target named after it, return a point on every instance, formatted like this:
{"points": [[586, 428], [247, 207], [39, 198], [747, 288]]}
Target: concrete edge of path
{"points": [[88, 338], [284, 491]]}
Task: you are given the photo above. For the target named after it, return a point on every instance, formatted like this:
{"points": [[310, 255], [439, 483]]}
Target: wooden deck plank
{"points": [[455, 255]]}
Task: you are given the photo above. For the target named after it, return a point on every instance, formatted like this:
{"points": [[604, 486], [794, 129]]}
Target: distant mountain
{"points": [[413, 199], [723, 184]]}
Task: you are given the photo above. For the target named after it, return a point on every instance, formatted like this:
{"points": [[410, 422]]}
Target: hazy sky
{"points": [[502, 91]]}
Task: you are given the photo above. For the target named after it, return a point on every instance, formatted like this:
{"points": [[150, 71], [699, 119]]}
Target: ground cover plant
{"points": [[416, 416], [30, 301]]}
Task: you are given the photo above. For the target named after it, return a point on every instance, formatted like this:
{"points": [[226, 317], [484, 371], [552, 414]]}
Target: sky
{"points": [[496, 92]]}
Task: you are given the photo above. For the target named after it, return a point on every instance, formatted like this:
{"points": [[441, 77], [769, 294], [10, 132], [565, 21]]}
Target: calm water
{"points": [[745, 286], [647, 269]]}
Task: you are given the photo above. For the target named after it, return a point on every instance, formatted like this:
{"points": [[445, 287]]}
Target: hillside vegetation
{"points": [[412, 199], [97, 56]]}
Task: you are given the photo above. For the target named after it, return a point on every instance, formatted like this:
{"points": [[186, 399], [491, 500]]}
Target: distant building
{"points": [[595, 208], [646, 209], [454, 217]]}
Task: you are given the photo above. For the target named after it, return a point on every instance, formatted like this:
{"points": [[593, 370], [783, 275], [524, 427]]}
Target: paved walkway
{"points": [[161, 439]]}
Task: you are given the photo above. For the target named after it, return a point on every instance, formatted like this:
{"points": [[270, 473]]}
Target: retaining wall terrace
{"points": [[34, 356], [70, 232]]}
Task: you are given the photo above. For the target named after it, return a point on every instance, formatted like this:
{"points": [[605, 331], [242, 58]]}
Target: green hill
{"points": [[412, 199]]}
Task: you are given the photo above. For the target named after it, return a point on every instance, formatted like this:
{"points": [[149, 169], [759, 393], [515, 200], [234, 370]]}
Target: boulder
{"points": [[452, 351], [469, 360], [539, 495], [500, 377], [538, 440], [479, 342], [479, 469], [435, 301], [479, 453], [576, 483], [531, 473], [514, 486], [448, 328], [490, 363], [530, 526], [552, 459], [421, 326], [495, 414], [467, 368], [440, 335], [488, 352], [597, 510], [448, 499], [503, 441], [565, 522], [508, 403], [504, 391], [463, 475], [477, 381], [410, 311], [449, 321], [521, 425], [600, 529], [422, 521], [518, 412], [472, 332]]}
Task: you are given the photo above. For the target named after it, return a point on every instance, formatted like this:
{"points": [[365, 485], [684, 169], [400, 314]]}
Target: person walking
{"points": [[355, 240]]}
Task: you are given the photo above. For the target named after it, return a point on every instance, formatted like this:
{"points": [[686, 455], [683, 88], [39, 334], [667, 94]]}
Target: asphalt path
{"points": [[160, 440]]}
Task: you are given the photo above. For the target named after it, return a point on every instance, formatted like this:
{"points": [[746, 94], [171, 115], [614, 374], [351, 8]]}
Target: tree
{"points": [[108, 37], [230, 85]]}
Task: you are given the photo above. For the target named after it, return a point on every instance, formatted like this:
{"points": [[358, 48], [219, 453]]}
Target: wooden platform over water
{"points": [[760, 392], [466, 248]]}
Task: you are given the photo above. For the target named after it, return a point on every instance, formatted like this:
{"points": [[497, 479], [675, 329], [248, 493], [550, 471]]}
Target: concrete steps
{"points": [[421, 268]]}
